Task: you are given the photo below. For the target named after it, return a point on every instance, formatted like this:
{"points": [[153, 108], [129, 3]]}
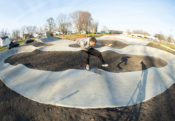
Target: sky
{"points": [[153, 16]]}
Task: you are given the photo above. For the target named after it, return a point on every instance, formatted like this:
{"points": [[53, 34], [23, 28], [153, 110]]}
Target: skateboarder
{"points": [[87, 46]]}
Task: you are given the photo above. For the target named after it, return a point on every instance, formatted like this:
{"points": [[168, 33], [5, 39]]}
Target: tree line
{"points": [[81, 21], [78, 22], [159, 36]]}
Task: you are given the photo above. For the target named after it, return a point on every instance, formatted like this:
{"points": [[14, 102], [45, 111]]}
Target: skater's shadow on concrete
{"points": [[139, 92], [132, 113], [123, 60], [69, 95]]}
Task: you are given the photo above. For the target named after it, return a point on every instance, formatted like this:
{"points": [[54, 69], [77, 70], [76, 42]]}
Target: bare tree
{"points": [[15, 35], [94, 27], [63, 23], [76, 17], [28, 31], [41, 30], [46, 28], [140, 32], [86, 16], [170, 39], [51, 24], [128, 31], [3, 33], [105, 29], [31, 30], [160, 36], [82, 20], [23, 30]]}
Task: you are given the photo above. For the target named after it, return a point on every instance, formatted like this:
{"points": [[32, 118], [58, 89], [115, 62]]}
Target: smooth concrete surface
{"points": [[85, 89]]}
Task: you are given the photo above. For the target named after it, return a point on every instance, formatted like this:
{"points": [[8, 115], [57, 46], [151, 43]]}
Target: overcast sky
{"points": [[154, 16]]}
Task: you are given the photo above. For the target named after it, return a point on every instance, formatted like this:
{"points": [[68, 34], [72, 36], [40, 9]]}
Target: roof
{"points": [[5, 37]]}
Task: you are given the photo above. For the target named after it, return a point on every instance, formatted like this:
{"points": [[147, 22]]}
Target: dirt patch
{"points": [[115, 44], [63, 60], [158, 46], [14, 107]]}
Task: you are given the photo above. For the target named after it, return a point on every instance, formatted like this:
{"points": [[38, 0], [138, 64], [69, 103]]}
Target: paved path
{"points": [[125, 39], [82, 89]]}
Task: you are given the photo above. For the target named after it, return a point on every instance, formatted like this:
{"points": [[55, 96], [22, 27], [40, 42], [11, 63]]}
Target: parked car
{"points": [[13, 45]]}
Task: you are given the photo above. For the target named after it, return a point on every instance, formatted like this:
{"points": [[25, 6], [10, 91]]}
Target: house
{"points": [[151, 38], [35, 35], [69, 32], [4, 41], [27, 36], [41, 35], [58, 33], [115, 32], [112, 31]]}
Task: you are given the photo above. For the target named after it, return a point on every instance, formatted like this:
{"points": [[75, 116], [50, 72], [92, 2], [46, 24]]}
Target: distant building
{"points": [[112, 31], [102, 31], [137, 35], [151, 38], [69, 32], [42, 35], [27, 36], [58, 33], [35, 35], [115, 32], [4, 41]]}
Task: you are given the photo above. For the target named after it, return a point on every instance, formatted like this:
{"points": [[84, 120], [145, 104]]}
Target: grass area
{"points": [[155, 45], [171, 51], [159, 43], [21, 42], [73, 36], [169, 45], [3, 48], [165, 44]]}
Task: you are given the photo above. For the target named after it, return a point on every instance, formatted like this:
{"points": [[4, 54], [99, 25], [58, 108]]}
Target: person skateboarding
{"points": [[87, 46]]}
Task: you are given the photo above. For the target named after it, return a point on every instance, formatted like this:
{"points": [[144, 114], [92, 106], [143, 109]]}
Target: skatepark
{"points": [[55, 75]]}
